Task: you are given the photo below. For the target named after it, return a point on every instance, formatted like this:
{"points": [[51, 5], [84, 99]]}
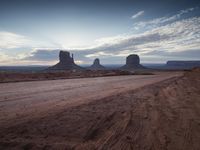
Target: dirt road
{"points": [[160, 112], [30, 99]]}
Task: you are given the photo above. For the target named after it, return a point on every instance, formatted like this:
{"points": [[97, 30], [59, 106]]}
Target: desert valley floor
{"points": [[139, 112]]}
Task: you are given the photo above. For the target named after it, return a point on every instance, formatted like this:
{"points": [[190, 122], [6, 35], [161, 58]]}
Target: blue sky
{"points": [[33, 32]]}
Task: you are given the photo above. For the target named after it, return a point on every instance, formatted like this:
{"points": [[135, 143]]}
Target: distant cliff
{"points": [[182, 64]]}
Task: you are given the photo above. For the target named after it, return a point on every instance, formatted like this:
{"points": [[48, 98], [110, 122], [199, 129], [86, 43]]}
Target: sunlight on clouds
{"points": [[111, 40], [3, 57], [11, 40], [124, 53], [79, 62], [14, 41], [99, 54]]}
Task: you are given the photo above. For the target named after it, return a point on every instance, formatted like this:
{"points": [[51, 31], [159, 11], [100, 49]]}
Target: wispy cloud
{"points": [[176, 36], [138, 14], [162, 20]]}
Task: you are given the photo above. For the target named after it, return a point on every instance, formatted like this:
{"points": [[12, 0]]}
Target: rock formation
{"points": [[96, 65], [66, 62], [182, 64], [132, 63]]}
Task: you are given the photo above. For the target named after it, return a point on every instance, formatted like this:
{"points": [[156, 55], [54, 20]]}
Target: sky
{"points": [[32, 32]]}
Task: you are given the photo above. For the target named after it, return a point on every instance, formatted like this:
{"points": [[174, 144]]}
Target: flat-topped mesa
{"points": [[178, 64], [66, 62], [194, 63], [96, 65], [132, 63]]}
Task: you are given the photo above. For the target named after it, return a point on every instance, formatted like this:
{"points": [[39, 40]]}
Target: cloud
{"points": [[42, 55], [3, 58], [187, 10], [177, 37], [167, 38], [11, 40], [162, 20], [163, 56], [15, 48], [138, 14], [183, 54], [97, 54], [183, 35]]}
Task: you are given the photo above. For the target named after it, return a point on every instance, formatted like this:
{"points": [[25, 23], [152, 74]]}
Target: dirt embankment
{"points": [[54, 75], [165, 115]]}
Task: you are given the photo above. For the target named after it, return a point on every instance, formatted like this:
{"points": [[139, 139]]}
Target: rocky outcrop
{"points": [[96, 65], [132, 63], [66, 62]]}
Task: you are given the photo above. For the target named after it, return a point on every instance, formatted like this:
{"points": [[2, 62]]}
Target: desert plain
{"points": [[136, 112]]}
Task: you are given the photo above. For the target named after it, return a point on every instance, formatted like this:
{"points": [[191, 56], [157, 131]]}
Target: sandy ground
{"points": [[25, 99], [125, 112]]}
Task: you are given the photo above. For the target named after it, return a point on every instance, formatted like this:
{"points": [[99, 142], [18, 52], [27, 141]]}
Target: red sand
{"points": [[126, 112]]}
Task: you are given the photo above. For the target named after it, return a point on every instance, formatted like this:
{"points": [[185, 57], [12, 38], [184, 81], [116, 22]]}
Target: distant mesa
{"points": [[66, 62], [182, 64], [132, 63], [96, 65]]}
